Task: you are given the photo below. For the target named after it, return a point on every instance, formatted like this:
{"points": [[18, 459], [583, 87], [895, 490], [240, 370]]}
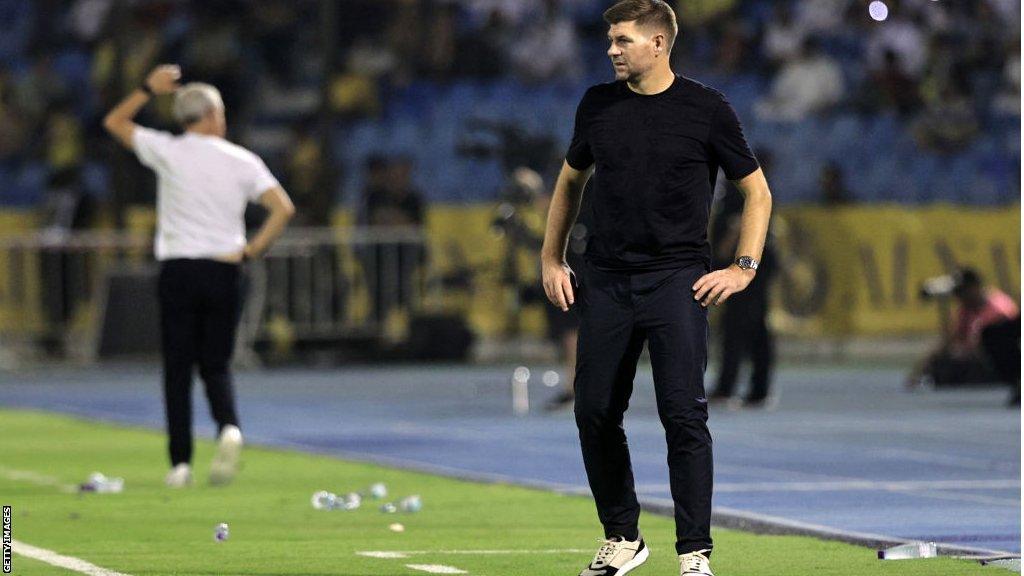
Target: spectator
{"points": [[214, 53], [390, 200], [1007, 101], [833, 188], [744, 320], [783, 36], [39, 88], [733, 45], [310, 177], [892, 89], [902, 35], [404, 42], [354, 92], [700, 13], [87, 18], [483, 11], [393, 201], [547, 48], [437, 55], [63, 272], [809, 84], [277, 26], [948, 122], [484, 53], [13, 128], [64, 143], [821, 16]]}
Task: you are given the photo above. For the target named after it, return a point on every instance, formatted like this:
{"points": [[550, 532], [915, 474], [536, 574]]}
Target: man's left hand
{"points": [[716, 287]]}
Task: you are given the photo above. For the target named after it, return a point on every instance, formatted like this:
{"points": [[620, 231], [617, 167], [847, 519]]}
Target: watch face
{"points": [[746, 263]]}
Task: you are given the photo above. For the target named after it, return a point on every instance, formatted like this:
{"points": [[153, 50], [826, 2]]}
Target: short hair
{"points": [[193, 101], [645, 13]]}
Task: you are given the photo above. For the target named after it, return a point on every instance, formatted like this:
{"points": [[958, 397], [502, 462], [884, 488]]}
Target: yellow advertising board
{"points": [[20, 286], [852, 271], [841, 272], [858, 270]]}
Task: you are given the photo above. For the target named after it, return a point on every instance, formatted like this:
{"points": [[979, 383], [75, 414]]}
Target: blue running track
{"points": [[846, 449]]}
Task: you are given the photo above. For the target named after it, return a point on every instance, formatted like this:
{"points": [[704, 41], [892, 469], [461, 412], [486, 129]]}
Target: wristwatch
{"points": [[747, 263]]}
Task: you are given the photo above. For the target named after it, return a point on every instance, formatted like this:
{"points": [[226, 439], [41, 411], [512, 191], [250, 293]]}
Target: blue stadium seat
{"points": [[882, 130], [29, 185], [96, 180]]}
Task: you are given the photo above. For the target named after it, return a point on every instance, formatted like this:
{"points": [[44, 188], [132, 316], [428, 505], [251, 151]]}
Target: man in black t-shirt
{"points": [[653, 143]]}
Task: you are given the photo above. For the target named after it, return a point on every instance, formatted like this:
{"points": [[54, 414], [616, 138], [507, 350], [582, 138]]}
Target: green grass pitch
{"points": [[151, 530]]}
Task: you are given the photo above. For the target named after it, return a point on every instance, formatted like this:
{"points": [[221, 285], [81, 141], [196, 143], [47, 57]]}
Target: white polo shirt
{"points": [[203, 186]]}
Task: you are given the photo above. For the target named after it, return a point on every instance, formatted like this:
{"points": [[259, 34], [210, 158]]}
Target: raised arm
{"points": [[565, 206], [716, 287], [119, 121]]}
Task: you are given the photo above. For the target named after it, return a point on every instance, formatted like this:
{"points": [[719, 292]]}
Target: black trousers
{"points": [[618, 313], [1001, 342], [745, 335], [200, 305]]}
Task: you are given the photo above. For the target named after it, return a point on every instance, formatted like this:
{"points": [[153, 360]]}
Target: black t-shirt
{"points": [[656, 158]]}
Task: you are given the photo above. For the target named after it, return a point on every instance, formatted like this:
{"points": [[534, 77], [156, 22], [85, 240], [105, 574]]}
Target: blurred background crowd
{"points": [[923, 108]]}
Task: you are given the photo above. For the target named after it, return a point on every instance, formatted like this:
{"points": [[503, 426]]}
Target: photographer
{"points": [[973, 340], [520, 220]]}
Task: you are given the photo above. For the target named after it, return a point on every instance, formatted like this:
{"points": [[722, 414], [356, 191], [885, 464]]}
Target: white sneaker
{"points": [[616, 557], [179, 477], [695, 564], [225, 461]]}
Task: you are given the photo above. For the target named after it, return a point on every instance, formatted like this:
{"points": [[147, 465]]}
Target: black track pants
{"points": [[618, 313]]}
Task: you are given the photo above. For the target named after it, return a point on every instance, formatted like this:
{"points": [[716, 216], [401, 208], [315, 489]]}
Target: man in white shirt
{"points": [[203, 185]]}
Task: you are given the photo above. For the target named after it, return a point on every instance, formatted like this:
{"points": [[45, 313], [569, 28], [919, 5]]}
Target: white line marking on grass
{"points": [[69, 562], [407, 553], [36, 478], [383, 554], [436, 568], [442, 569]]}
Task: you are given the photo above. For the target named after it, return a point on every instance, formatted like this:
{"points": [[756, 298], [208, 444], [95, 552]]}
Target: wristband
{"points": [[145, 88]]}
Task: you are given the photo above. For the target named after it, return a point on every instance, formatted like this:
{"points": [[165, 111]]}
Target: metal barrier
{"points": [[313, 284]]}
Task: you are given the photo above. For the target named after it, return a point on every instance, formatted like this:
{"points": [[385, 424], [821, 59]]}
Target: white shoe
{"points": [[616, 557], [225, 461], [179, 477], [695, 564]]}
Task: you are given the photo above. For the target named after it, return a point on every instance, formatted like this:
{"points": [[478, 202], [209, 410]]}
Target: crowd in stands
{"points": [[319, 88]]}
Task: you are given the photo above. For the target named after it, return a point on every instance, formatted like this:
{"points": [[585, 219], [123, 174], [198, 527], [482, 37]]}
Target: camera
{"points": [[938, 287]]}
